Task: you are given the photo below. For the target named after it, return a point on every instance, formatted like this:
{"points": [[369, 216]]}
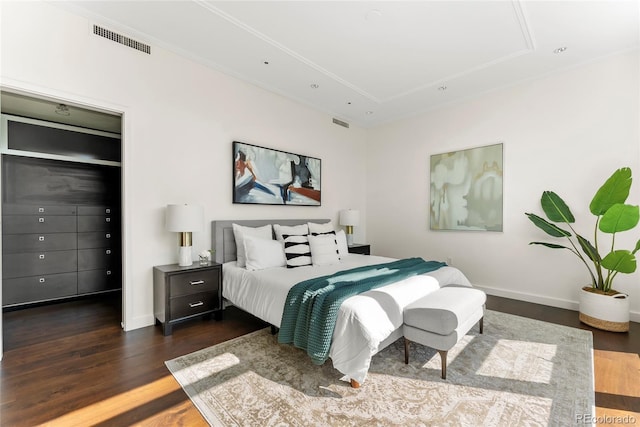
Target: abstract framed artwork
{"points": [[266, 176], [466, 189]]}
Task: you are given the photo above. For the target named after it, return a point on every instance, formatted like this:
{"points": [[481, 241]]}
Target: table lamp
{"points": [[184, 219], [349, 218]]}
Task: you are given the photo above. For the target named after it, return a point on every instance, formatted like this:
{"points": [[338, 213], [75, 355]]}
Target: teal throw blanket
{"points": [[311, 308]]}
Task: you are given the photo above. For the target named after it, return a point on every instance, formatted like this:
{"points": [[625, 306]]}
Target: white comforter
{"points": [[366, 323]]}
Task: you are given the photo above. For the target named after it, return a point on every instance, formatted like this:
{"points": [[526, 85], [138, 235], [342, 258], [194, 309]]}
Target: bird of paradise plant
{"points": [[613, 216]]}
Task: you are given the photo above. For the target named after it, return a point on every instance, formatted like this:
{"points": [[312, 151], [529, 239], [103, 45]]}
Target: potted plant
{"points": [[601, 306]]}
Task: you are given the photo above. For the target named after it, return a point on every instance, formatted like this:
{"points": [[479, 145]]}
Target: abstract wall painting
{"points": [[466, 189], [271, 177]]}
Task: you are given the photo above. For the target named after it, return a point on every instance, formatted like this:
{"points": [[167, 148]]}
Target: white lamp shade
{"points": [[349, 217], [184, 218]]}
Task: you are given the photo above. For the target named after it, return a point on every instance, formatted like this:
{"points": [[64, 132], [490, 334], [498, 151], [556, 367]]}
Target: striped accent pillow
{"points": [[315, 228], [297, 251], [324, 249]]}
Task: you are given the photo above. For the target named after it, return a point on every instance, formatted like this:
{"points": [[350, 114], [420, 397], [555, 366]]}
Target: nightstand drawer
{"points": [[189, 305], [190, 283]]}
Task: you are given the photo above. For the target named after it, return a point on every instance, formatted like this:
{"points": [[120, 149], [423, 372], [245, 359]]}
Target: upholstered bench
{"points": [[439, 320]]}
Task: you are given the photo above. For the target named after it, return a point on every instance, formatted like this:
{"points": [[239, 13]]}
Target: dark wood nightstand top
{"points": [[360, 248], [175, 268]]}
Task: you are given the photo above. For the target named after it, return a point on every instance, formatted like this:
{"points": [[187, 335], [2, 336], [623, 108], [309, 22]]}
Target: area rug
{"points": [[519, 372]]}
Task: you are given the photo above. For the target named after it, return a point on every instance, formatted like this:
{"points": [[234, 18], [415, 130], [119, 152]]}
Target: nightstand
{"points": [[360, 248], [184, 293]]}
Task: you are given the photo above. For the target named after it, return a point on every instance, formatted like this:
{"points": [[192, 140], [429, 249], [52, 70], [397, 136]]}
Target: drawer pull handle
{"points": [[41, 238], [196, 282], [108, 252], [108, 235], [41, 256], [108, 219], [107, 211], [41, 219], [195, 304], [40, 210], [41, 280]]}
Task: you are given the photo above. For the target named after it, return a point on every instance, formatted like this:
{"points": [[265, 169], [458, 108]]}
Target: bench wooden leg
{"points": [[443, 358], [481, 324], [406, 351]]}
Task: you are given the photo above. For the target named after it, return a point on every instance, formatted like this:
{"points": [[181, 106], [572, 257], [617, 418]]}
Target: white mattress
{"points": [[366, 323]]}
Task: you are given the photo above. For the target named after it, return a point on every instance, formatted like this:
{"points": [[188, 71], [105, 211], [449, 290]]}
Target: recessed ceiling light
{"points": [[560, 49], [442, 88], [314, 86], [368, 113]]}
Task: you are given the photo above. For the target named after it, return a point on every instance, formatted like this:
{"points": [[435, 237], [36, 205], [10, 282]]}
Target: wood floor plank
{"points": [[71, 364]]}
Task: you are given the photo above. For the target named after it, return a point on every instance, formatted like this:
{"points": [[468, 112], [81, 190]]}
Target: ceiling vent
{"points": [[119, 38], [341, 123]]}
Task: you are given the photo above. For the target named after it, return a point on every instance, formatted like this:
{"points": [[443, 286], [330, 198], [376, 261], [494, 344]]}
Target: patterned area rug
{"points": [[520, 372]]}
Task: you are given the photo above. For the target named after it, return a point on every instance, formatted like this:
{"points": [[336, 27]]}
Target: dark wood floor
{"points": [[71, 364]]}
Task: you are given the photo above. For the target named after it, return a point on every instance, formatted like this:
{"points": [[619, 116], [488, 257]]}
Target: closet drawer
{"points": [[15, 243], [96, 223], [13, 224], [97, 239], [97, 259], [98, 280], [21, 209], [38, 288], [38, 263], [96, 210]]}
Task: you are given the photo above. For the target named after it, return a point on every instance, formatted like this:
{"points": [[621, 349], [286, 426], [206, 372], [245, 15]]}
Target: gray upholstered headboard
{"points": [[224, 242]]}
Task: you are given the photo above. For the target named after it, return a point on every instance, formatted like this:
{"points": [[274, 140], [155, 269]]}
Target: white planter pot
{"points": [[607, 312]]}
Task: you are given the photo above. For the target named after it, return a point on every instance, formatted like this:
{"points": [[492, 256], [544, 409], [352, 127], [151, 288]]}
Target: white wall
{"points": [[180, 119], [567, 132]]}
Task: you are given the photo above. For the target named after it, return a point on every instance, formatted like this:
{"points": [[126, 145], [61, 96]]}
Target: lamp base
{"points": [[349, 239], [184, 256]]}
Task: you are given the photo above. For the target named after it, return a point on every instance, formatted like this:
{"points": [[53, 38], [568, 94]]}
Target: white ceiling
{"points": [[377, 61]]}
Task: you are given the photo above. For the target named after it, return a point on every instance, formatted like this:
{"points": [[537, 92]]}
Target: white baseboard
{"points": [[634, 316], [141, 322]]}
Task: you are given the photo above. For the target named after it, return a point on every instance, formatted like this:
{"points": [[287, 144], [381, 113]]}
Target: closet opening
{"points": [[61, 203]]}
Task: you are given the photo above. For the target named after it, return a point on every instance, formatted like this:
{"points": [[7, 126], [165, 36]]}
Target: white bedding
{"points": [[366, 323]]}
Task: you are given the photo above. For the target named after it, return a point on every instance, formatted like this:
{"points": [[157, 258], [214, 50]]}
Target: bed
{"points": [[366, 323]]}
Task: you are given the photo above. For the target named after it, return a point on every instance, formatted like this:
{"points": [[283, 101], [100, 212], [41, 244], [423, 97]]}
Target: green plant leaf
{"points": [[621, 261], [547, 227], [618, 218], [614, 190], [549, 245], [555, 208], [637, 248], [588, 249]]}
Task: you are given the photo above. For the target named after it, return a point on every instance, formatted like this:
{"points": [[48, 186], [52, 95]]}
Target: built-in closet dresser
{"points": [[61, 227]]}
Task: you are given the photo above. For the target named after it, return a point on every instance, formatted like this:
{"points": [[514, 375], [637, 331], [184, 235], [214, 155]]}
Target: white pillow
{"points": [[240, 231], [341, 240], [290, 230], [296, 250], [315, 228], [262, 253], [324, 250]]}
